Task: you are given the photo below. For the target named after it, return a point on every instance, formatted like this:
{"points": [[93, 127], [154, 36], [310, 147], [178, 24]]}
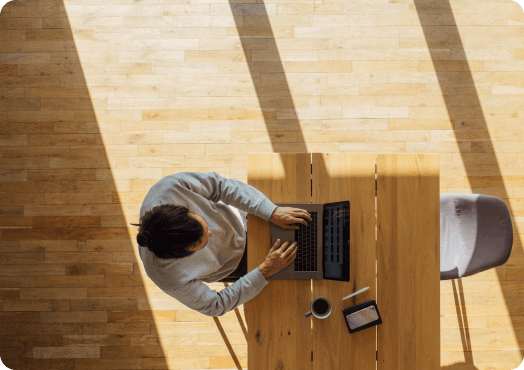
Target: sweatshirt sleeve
{"points": [[197, 296], [217, 188]]}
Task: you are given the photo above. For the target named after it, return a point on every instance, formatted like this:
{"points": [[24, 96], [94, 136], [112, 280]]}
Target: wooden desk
{"points": [[401, 268]]}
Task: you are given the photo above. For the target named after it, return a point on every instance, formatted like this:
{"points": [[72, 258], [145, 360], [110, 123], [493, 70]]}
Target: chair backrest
{"points": [[475, 234]]}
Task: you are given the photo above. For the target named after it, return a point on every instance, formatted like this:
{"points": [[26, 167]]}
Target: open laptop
{"points": [[323, 245]]}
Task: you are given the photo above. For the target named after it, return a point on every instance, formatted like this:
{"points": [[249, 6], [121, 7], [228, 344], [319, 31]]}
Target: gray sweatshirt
{"points": [[214, 198]]}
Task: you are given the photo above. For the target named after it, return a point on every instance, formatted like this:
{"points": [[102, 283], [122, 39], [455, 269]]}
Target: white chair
{"points": [[475, 234]]}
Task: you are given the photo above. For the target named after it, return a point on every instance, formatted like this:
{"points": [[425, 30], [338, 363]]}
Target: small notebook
{"points": [[361, 316]]}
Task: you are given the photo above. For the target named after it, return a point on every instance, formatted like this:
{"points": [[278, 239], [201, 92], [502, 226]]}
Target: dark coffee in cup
{"points": [[320, 306]]}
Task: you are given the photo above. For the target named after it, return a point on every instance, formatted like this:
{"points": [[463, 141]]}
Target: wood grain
{"points": [[336, 177], [408, 264], [275, 314]]}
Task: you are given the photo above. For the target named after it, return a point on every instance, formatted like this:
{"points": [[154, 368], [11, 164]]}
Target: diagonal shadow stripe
{"points": [[469, 126], [269, 78], [76, 298], [273, 91]]}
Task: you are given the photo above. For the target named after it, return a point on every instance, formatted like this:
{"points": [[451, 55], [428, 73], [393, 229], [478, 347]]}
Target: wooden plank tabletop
{"points": [[408, 278], [279, 335]]}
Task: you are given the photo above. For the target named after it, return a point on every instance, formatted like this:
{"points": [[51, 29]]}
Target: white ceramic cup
{"points": [[316, 314]]}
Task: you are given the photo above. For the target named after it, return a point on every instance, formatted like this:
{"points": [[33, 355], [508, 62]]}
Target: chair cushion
{"points": [[475, 234]]}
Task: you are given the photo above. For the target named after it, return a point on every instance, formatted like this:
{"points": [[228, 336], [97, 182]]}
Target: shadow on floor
{"points": [[224, 334], [76, 298], [459, 82]]}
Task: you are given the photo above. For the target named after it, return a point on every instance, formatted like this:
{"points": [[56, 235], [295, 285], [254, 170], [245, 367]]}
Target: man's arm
{"points": [[264, 270], [199, 297], [215, 188]]}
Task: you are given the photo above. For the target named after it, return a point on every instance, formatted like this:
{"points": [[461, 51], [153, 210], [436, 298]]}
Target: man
{"points": [[193, 229]]}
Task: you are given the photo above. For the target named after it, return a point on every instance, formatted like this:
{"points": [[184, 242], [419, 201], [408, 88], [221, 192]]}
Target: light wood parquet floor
{"points": [[100, 99]]}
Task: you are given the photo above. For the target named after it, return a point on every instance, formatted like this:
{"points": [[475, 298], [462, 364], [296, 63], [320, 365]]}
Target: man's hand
{"points": [[283, 216]]}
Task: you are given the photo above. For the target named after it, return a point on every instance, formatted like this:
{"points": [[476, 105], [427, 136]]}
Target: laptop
{"points": [[323, 245]]}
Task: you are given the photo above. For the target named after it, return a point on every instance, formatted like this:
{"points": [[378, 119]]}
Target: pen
{"points": [[351, 295]]}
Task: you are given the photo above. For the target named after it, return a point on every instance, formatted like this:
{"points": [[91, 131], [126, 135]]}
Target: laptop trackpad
{"points": [[283, 235]]}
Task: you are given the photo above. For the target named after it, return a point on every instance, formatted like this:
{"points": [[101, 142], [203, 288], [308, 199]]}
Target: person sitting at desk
{"points": [[193, 229]]}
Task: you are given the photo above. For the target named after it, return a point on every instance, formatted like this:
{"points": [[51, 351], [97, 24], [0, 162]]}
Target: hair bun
{"points": [[144, 239]]}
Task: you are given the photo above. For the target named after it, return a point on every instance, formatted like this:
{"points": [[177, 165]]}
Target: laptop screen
{"points": [[335, 241]]}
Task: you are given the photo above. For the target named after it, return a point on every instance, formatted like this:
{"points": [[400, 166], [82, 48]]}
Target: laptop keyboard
{"points": [[306, 238]]}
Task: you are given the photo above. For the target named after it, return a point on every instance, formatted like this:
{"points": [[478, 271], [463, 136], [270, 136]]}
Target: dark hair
{"points": [[169, 231]]}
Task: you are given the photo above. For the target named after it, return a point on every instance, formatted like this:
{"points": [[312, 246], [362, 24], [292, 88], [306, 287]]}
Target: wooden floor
{"points": [[102, 98]]}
